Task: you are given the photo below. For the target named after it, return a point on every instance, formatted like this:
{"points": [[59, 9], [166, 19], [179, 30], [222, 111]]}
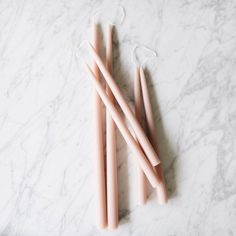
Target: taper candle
{"points": [[142, 187], [112, 191], [161, 188], [142, 138], [120, 123], [99, 152]]}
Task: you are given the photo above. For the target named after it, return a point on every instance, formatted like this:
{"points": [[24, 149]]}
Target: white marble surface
{"points": [[46, 136]]}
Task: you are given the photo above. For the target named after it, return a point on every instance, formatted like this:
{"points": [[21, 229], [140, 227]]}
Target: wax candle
{"points": [[112, 186], [142, 138], [120, 123], [99, 152], [161, 188], [142, 187]]}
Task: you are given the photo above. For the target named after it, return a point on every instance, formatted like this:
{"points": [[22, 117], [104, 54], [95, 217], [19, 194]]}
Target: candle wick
{"points": [[119, 10], [79, 46], [136, 57]]}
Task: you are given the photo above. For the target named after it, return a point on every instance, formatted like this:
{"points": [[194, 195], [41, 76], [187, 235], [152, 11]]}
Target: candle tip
{"points": [[141, 69], [110, 26]]}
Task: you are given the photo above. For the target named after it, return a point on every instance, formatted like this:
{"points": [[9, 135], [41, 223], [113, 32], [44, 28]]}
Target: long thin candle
{"points": [[112, 186], [142, 138], [99, 152], [142, 187], [161, 188], [120, 123]]}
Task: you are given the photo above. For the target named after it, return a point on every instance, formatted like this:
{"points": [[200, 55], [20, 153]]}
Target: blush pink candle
{"points": [[142, 186], [99, 151], [120, 123], [161, 188], [112, 186], [151, 154]]}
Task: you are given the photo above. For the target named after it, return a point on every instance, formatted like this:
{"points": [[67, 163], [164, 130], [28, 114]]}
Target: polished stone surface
{"points": [[46, 116]]}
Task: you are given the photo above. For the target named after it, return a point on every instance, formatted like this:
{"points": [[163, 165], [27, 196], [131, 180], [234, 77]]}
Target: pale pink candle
{"points": [[99, 152], [142, 138], [142, 186], [120, 123], [112, 186], [161, 188]]}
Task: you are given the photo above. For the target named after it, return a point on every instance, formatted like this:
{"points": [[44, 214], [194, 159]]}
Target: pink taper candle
{"points": [[140, 135], [161, 188], [99, 152], [112, 191], [120, 123], [142, 186]]}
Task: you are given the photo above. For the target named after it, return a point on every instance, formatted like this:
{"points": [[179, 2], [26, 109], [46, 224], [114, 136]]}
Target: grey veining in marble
{"points": [[46, 132]]}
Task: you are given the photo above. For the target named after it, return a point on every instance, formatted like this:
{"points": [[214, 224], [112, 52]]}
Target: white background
{"points": [[46, 116]]}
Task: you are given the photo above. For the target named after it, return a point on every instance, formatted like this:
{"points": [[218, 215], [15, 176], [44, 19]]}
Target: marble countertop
{"points": [[46, 133]]}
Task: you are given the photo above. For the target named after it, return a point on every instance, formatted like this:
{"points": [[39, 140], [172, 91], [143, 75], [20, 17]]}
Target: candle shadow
{"points": [[167, 154], [122, 151]]}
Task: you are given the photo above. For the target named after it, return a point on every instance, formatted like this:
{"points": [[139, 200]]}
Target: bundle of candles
{"points": [[143, 146]]}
